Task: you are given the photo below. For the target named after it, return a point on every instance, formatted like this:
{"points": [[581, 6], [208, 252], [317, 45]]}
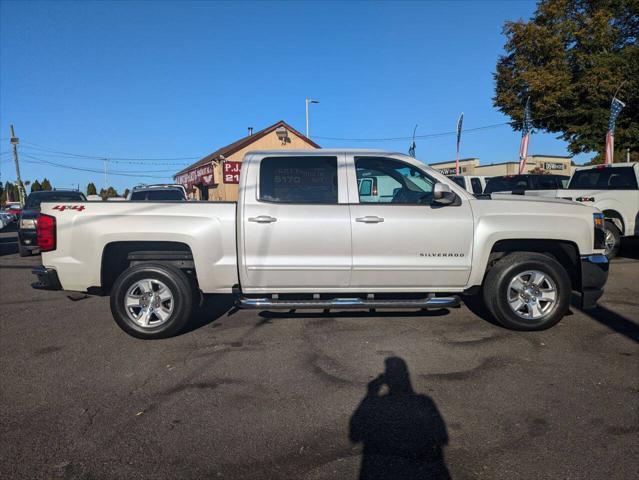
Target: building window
{"points": [[298, 180]]}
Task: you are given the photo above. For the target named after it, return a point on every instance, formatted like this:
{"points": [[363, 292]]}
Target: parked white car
{"points": [[613, 189], [471, 183], [304, 235]]}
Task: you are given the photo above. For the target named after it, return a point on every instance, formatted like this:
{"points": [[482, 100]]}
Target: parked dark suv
{"points": [[518, 184], [27, 241]]}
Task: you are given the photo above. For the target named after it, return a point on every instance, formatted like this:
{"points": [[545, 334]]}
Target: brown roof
{"points": [[244, 142]]}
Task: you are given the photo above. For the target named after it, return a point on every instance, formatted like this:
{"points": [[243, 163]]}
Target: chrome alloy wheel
{"points": [[532, 294], [149, 303]]}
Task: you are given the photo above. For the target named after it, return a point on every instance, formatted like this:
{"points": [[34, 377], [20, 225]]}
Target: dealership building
{"points": [[560, 165], [216, 176]]}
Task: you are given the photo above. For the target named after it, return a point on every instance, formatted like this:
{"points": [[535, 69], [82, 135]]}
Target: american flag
{"points": [[615, 108], [459, 130], [526, 130]]}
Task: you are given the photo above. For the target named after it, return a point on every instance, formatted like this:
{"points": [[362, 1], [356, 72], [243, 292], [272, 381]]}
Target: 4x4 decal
{"points": [[62, 208]]}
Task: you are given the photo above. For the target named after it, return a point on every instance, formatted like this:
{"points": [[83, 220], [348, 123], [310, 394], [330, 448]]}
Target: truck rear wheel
{"points": [[152, 300], [527, 291], [612, 239]]}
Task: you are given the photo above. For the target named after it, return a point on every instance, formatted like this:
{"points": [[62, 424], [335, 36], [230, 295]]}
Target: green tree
{"points": [[91, 190], [35, 186], [10, 193], [108, 193], [46, 185], [570, 59]]}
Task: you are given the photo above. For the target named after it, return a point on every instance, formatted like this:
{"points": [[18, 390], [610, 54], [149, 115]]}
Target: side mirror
{"points": [[443, 195]]}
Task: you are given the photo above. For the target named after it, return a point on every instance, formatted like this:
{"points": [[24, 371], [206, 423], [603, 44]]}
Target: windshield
{"points": [[506, 184], [153, 195], [604, 178], [35, 199]]}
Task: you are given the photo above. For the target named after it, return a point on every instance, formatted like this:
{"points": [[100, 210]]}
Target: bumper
{"points": [[47, 279], [28, 238], [594, 273]]}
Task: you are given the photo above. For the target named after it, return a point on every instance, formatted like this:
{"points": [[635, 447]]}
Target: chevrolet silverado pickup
{"points": [[302, 236]]}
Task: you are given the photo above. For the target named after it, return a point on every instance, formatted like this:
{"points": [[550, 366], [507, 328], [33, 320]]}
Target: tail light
{"points": [[600, 232], [45, 231]]}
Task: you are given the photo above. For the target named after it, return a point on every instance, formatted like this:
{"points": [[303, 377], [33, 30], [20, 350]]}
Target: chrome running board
{"points": [[350, 303]]}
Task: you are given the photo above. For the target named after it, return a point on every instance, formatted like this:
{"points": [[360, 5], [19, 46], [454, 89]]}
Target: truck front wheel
{"points": [[612, 239], [152, 300], [527, 291]]}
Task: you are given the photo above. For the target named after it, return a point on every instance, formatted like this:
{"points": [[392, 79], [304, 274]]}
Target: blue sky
{"points": [[170, 80]]}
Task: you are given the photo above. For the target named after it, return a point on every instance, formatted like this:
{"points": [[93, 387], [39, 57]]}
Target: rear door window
{"points": [[546, 182], [475, 183], [459, 181], [298, 180]]}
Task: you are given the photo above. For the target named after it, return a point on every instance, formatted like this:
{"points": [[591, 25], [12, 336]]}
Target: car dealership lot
{"points": [[274, 395]]}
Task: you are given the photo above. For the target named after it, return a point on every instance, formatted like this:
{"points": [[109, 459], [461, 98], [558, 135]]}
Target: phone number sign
{"points": [[232, 172]]}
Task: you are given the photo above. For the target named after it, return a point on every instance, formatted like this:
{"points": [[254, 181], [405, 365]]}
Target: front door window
{"points": [[385, 180]]}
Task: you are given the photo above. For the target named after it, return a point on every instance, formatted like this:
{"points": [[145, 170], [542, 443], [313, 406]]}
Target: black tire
{"points": [[23, 251], [496, 290], [609, 226], [182, 299]]}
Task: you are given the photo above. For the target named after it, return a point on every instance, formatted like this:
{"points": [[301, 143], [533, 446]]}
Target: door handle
{"points": [[369, 219], [263, 219]]}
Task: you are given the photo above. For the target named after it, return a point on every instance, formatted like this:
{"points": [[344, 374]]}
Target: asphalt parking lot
{"points": [[253, 395]]}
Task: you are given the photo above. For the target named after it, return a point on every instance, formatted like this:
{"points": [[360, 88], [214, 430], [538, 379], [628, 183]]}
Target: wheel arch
{"points": [[616, 218], [118, 256], [564, 251]]}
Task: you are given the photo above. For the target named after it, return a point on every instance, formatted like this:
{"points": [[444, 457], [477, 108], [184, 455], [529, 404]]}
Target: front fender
{"points": [[527, 225]]}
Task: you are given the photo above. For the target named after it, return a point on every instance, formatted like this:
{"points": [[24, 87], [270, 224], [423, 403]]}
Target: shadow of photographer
{"points": [[402, 433]]}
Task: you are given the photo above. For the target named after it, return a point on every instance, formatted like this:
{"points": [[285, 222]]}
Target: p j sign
{"points": [[232, 172]]}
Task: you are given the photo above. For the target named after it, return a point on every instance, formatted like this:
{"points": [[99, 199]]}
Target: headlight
{"points": [[28, 223], [600, 232]]}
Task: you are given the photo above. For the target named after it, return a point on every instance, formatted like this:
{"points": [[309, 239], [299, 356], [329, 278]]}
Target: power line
{"points": [[44, 148], [126, 162], [512, 124], [430, 135], [29, 155], [122, 174]]}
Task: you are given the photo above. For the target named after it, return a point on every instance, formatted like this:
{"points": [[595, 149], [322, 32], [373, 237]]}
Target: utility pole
{"points": [[628, 155], [14, 141], [105, 172]]}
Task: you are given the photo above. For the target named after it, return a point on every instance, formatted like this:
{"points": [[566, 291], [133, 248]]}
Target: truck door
{"points": [[295, 224], [407, 244]]}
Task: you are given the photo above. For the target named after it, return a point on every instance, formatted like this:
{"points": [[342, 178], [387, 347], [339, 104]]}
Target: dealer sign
{"points": [[198, 176], [553, 166], [232, 171]]}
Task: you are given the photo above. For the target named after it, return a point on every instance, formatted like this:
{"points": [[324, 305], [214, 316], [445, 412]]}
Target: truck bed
{"points": [[84, 228]]}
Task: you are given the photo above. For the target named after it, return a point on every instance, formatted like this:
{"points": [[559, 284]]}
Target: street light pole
{"points": [[14, 142], [309, 100]]}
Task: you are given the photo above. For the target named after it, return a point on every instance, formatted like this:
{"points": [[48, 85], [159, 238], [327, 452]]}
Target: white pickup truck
{"points": [[614, 190], [301, 237]]}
